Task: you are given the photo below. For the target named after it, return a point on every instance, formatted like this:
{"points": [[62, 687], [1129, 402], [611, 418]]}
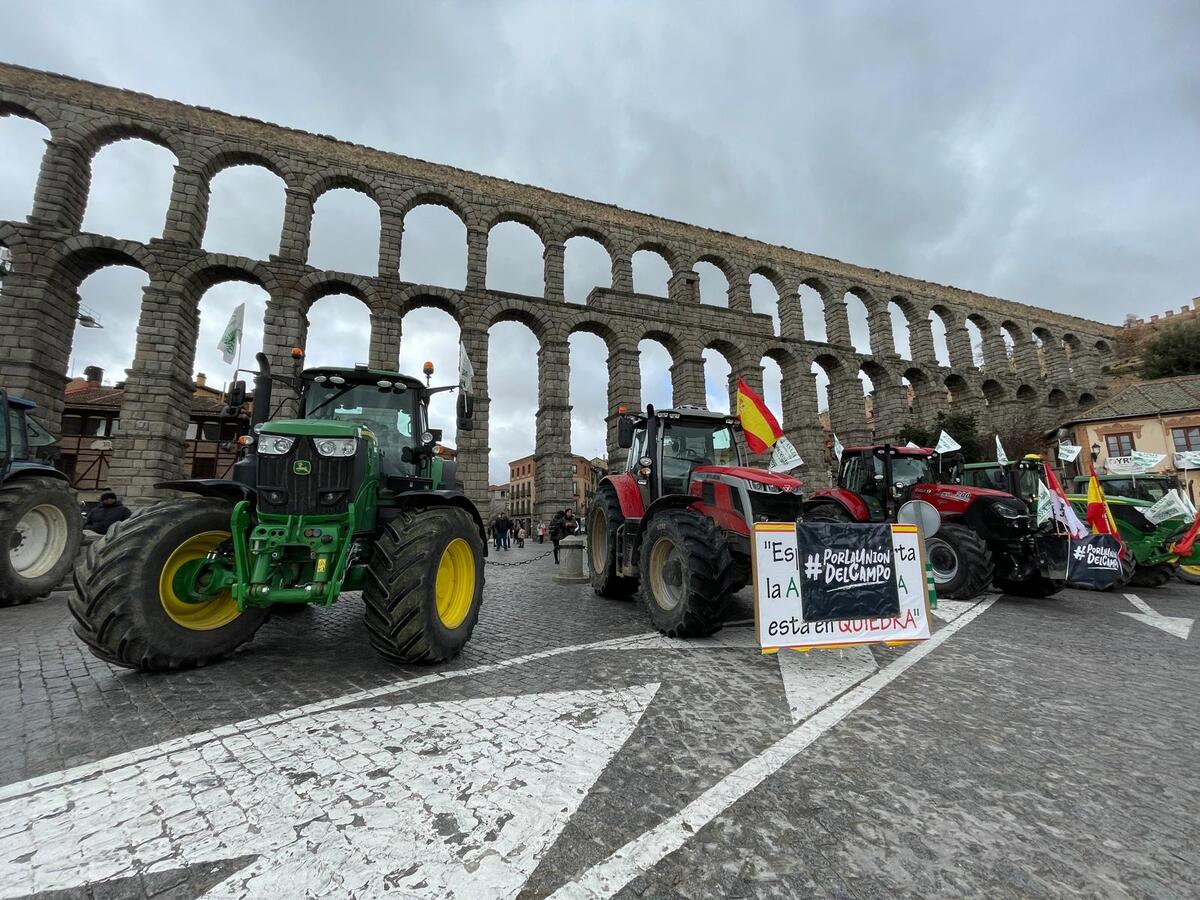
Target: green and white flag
{"points": [[466, 371], [1045, 505], [1068, 452], [1001, 456], [837, 447], [1171, 505], [231, 340], [946, 444]]}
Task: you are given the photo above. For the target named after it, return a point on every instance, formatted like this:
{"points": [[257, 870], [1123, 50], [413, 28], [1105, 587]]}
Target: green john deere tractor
{"points": [[350, 496], [40, 525]]}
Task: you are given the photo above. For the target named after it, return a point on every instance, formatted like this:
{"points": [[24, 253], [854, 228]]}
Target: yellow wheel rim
{"points": [[455, 587], [1191, 570], [220, 610]]}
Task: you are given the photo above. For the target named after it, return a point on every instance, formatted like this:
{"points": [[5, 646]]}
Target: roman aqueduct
{"points": [[1044, 363]]}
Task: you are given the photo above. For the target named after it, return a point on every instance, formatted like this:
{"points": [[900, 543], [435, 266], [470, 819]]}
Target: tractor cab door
{"points": [[862, 474], [633, 465]]}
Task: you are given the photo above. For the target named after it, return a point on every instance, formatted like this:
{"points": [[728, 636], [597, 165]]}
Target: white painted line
{"points": [[642, 853], [949, 610], [1174, 625], [812, 679], [450, 799]]}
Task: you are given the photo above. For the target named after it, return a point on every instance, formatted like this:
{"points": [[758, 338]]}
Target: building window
{"points": [[1186, 438], [72, 425], [1119, 444], [204, 467]]}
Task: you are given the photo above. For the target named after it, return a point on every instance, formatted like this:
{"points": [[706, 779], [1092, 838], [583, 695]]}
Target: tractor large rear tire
{"points": [[1150, 576], [962, 563], [125, 605], [686, 574], [1189, 573], [603, 520], [40, 532], [424, 585]]}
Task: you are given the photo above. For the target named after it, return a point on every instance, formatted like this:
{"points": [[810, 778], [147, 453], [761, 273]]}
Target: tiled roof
{"points": [[108, 398], [1148, 398]]}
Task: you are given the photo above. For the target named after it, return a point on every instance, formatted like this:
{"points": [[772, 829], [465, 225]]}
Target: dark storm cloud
{"points": [[1044, 153]]}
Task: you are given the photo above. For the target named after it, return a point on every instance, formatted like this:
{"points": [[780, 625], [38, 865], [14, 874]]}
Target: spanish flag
{"points": [[761, 428], [1099, 516]]}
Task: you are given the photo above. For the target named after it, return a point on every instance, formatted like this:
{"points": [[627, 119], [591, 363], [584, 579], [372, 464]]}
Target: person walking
{"points": [[107, 513], [562, 525], [541, 532], [521, 536], [506, 525], [496, 532]]}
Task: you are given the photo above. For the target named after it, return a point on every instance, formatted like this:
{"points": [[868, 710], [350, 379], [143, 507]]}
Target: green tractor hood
{"points": [[324, 428]]}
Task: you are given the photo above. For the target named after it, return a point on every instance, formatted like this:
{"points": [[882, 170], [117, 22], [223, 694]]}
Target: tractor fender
{"points": [[25, 469], [628, 495], [669, 501], [417, 499], [218, 488], [847, 500]]}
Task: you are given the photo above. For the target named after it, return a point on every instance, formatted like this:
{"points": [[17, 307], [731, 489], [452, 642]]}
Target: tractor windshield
{"points": [[394, 417], [686, 445]]}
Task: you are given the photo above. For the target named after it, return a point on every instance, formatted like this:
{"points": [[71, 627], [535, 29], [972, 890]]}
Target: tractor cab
{"points": [[1019, 478], [883, 476]]}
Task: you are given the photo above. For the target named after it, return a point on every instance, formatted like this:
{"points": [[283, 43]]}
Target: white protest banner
{"points": [[1045, 503], [1068, 452], [1188, 501], [837, 447], [1187, 459], [466, 371], [946, 444], [231, 338], [778, 602], [1168, 506], [784, 457], [1136, 463], [1001, 456]]}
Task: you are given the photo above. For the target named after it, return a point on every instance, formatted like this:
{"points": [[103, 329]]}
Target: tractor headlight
{"points": [[275, 445], [763, 486], [336, 446]]}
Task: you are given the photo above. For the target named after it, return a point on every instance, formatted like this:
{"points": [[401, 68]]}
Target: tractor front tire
{"points": [[1188, 573], [40, 532], [603, 521], [827, 512], [1150, 576], [686, 574], [126, 606], [424, 585], [962, 563]]}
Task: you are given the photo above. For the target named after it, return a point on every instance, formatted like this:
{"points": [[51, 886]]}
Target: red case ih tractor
{"points": [[986, 536], [677, 521]]}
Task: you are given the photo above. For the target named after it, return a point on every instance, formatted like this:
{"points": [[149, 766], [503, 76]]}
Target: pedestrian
{"points": [[505, 532], [107, 513], [496, 532], [521, 537], [562, 525], [541, 532]]}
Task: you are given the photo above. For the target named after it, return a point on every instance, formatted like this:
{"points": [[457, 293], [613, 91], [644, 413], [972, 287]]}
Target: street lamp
{"points": [[87, 318], [1095, 452]]}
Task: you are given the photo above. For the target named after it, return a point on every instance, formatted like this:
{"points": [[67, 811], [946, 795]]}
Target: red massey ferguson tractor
{"points": [[677, 521], [986, 536]]}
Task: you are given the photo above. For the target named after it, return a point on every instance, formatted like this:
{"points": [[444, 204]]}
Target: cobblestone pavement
{"points": [[1030, 749]]}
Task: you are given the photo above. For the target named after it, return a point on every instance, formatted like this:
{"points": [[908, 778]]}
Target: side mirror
{"points": [[624, 433], [436, 434], [235, 400], [465, 412]]}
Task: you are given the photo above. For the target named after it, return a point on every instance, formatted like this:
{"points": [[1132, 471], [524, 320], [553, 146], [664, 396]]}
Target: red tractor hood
{"points": [[785, 483]]}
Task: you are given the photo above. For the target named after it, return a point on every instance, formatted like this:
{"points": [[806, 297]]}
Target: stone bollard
{"points": [[570, 554]]}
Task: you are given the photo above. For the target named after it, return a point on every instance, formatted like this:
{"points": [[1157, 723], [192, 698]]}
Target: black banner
{"points": [[846, 571], [1094, 562]]}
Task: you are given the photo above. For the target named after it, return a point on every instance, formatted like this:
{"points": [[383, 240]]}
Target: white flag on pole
{"points": [[1187, 459], [1045, 503], [231, 339], [1001, 456], [837, 447], [1168, 506], [913, 446], [946, 444], [784, 457], [466, 371], [1068, 452]]}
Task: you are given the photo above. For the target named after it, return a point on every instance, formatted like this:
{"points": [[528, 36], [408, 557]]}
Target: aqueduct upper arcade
{"points": [[1021, 355]]}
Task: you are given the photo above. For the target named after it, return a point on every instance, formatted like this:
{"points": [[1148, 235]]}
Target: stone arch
{"points": [[537, 320], [318, 285], [766, 299], [343, 324], [98, 135], [24, 139], [421, 259], [531, 220], [902, 314], [583, 270], [641, 258], [29, 108], [660, 393], [1086, 399], [129, 164], [590, 348], [778, 280], [958, 389], [347, 212], [940, 321], [921, 394], [812, 292], [326, 180], [218, 159], [527, 275], [80, 256], [1103, 347], [1026, 394], [598, 327], [202, 273], [719, 354], [993, 392], [222, 213], [431, 196], [592, 233], [1057, 399], [419, 296], [722, 269], [978, 329], [857, 301]]}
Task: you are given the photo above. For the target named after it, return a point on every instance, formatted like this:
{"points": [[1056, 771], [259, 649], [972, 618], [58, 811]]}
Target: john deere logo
{"points": [[302, 467]]}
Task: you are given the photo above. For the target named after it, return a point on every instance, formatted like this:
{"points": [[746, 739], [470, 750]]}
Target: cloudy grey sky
{"points": [[1041, 152]]}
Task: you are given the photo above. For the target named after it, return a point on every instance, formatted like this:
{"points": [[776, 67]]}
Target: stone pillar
{"points": [[684, 287], [879, 325], [285, 326], [552, 279], [297, 226], [187, 215], [624, 388], [791, 318], [837, 320], [958, 341], [37, 327], [385, 340], [477, 251], [1026, 359], [157, 404], [473, 446], [61, 195], [995, 354], [687, 381], [552, 452], [888, 409], [801, 425], [622, 272], [847, 409], [739, 293], [391, 239], [1054, 358], [920, 340]]}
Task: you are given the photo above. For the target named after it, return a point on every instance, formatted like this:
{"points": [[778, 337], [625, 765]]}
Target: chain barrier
{"points": [[523, 562]]}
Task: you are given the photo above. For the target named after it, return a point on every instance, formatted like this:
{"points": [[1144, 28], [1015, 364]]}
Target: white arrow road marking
{"points": [[812, 679], [949, 610], [1176, 625], [447, 799], [645, 851]]}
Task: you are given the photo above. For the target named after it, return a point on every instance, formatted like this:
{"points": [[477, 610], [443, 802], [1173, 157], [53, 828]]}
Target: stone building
{"points": [[1047, 363], [585, 478]]}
